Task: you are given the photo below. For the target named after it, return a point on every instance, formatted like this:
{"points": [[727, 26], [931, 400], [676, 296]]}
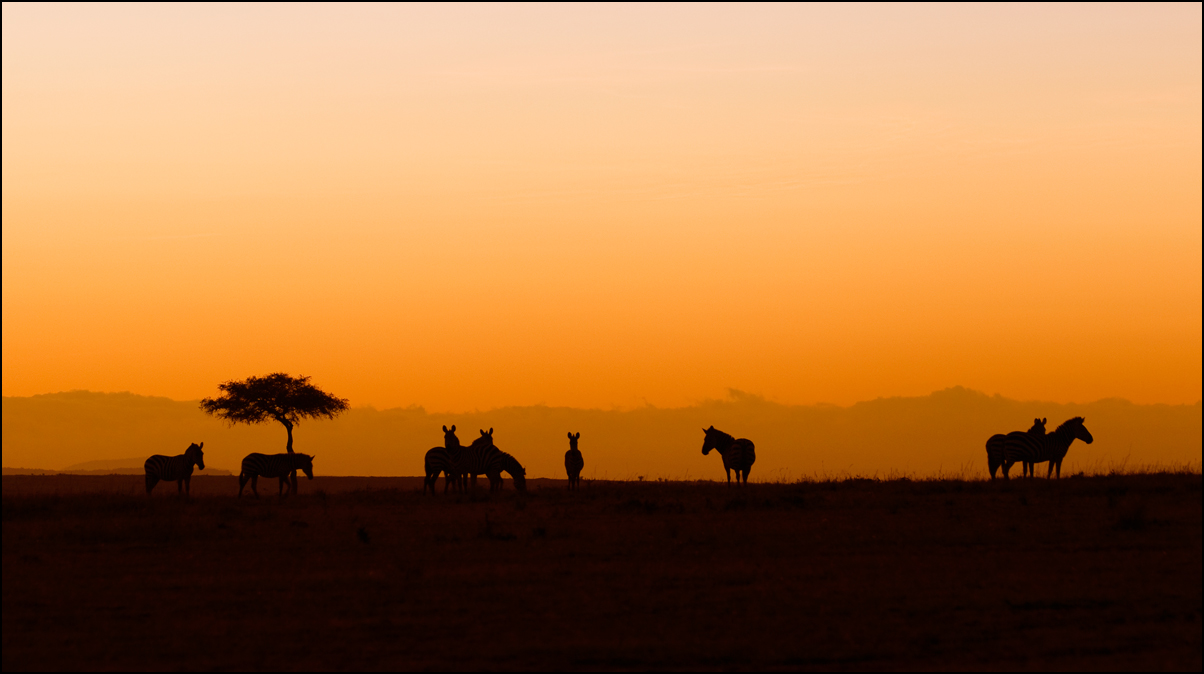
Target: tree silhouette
{"points": [[277, 396]]}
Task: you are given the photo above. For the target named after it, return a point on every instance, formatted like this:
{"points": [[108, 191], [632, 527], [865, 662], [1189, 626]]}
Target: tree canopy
{"points": [[278, 396]]}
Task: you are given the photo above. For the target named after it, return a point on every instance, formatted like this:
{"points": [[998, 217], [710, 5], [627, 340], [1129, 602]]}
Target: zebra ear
{"points": [[570, 435], [201, 446], [445, 429], [453, 428], [490, 431]]}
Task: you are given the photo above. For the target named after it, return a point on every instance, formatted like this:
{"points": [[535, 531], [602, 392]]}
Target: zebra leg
{"points": [[729, 474], [242, 482], [1059, 469], [188, 485], [255, 485], [180, 486], [1006, 468], [151, 481]]}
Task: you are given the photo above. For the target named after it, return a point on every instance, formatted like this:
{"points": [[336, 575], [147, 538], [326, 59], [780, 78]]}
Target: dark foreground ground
{"points": [[1085, 573]]}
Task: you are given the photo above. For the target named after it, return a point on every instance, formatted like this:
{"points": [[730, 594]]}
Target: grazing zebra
{"points": [[483, 457], [573, 462], [996, 444], [499, 461], [178, 468], [738, 455], [282, 466], [1041, 448], [446, 460]]}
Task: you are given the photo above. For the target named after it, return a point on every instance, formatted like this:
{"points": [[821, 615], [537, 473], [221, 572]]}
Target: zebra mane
{"points": [[721, 434], [511, 464], [1076, 421]]}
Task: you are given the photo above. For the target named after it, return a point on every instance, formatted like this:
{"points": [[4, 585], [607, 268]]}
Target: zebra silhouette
{"points": [[738, 455], [483, 457], [283, 466], [1031, 448], [573, 462], [445, 460], [995, 448], [178, 468]]}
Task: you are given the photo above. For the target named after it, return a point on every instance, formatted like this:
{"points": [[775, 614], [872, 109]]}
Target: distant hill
{"points": [[132, 466], [924, 435]]}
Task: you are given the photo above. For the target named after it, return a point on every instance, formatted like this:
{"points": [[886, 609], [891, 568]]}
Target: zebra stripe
{"points": [[574, 462], [1039, 449], [510, 465], [738, 455], [483, 457], [177, 468], [440, 460], [997, 443], [283, 466], [446, 460]]}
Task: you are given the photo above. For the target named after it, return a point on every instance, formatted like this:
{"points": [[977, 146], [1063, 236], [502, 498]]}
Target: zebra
{"points": [[995, 448], [178, 468], [738, 455], [482, 456], [446, 460], [283, 466], [1041, 448], [499, 461], [573, 462]]}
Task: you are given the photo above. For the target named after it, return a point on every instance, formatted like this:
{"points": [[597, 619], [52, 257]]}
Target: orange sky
{"points": [[468, 207]]}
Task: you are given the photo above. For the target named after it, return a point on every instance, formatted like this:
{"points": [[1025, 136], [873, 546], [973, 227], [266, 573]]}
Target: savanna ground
{"points": [[1089, 572]]}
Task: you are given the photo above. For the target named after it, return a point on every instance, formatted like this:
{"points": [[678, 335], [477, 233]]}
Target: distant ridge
{"points": [[943, 432], [100, 471]]}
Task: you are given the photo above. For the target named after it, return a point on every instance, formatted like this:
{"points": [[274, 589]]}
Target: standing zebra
{"points": [[738, 455], [573, 462], [1040, 448], [446, 460], [258, 465], [995, 448], [483, 457], [178, 468]]}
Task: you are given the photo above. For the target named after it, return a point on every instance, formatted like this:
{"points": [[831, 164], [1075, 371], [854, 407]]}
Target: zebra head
{"points": [[485, 439], [1080, 431], [1038, 427], [517, 472], [449, 437], [716, 439], [306, 463], [573, 440], [195, 454]]}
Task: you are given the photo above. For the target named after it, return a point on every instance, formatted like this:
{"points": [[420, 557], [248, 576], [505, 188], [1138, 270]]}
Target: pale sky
{"points": [[465, 207]]}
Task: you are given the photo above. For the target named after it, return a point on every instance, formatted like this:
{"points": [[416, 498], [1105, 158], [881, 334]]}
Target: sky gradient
{"points": [[470, 207]]}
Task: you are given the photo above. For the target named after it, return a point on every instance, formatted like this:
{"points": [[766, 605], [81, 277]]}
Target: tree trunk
{"points": [[288, 426]]}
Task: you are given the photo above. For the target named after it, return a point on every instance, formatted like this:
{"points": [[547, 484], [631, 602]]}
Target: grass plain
{"points": [[1098, 572]]}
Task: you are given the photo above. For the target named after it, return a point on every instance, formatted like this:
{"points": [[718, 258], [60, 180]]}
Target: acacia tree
{"points": [[277, 396]]}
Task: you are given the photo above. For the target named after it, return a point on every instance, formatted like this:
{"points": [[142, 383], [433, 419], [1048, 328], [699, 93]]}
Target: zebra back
{"points": [[740, 455], [277, 465], [172, 468]]}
